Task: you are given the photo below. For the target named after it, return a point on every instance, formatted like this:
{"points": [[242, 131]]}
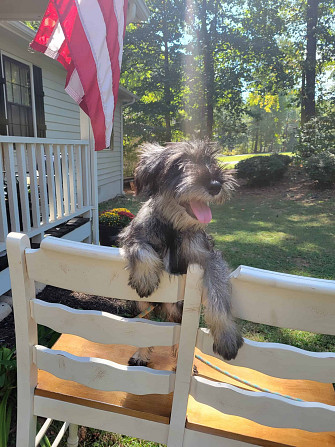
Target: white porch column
{"points": [[86, 133]]}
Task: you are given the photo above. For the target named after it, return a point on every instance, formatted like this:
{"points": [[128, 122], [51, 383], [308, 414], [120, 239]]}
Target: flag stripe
{"points": [[95, 29], [86, 36]]}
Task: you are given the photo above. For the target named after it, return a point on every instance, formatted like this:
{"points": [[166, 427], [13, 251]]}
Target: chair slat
{"points": [[264, 408], [277, 360], [67, 264], [103, 374], [102, 327], [283, 300]]}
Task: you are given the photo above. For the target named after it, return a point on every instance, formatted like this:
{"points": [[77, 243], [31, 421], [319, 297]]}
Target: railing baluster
{"points": [[66, 183], [51, 181], [11, 186], [79, 176], [3, 213], [32, 167], [42, 183], [22, 174], [58, 180], [85, 165], [72, 174]]}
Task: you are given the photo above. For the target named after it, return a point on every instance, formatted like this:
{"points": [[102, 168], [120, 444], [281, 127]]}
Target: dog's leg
{"points": [[145, 268], [226, 335]]}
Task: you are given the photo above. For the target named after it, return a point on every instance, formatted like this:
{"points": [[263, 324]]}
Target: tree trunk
{"points": [[308, 98], [167, 85], [208, 67]]}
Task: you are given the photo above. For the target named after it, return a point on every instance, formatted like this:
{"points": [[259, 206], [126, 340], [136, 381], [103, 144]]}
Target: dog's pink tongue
{"points": [[201, 211]]}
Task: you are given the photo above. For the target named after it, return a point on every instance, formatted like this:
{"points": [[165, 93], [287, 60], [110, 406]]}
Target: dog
{"points": [[178, 182]]}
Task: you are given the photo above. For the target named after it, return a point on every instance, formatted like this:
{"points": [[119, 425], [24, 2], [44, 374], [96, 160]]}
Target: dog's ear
{"points": [[149, 169]]}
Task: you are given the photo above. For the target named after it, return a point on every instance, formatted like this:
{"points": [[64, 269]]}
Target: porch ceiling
{"points": [[34, 9]]}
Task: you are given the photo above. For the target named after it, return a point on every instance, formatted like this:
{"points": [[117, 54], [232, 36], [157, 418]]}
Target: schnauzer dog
{"points": [[179, 181]]}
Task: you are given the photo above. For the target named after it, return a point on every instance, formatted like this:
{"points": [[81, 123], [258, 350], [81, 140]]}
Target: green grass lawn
{"points": [[232, 160], [284, 230]]}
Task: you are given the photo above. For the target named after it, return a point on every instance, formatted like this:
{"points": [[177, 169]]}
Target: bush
{"points": [[263, 170], [321, 167]]}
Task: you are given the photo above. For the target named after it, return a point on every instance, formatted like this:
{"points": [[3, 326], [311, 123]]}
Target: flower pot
{"points": [[109, 235]]}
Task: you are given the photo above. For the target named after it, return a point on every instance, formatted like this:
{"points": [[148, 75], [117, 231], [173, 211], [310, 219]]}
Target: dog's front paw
{"points": [[135, 361], [228, 345]]}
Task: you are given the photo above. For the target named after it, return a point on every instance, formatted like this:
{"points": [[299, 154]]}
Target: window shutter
{"points": [[3, 120], [39, 102]]}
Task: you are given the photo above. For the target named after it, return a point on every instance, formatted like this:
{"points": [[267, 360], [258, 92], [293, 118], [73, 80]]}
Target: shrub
{"points": [[117, 217], [262, 170], [321, 167]]}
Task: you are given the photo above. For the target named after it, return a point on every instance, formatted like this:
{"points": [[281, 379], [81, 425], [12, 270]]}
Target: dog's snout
{"points": [[214, 187]]}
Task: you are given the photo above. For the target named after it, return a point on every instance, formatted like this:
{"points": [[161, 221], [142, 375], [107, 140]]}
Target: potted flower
{"points": [[111, 222]]}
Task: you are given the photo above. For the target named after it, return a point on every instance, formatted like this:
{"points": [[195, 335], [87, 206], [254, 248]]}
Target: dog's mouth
{"points": [[199, 210]]}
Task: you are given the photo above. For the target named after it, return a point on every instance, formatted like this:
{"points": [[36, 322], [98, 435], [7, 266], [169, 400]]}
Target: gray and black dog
{"points": [[179, 181]]}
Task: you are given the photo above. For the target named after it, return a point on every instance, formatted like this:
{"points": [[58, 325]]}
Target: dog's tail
{"points": [[218, 316]]}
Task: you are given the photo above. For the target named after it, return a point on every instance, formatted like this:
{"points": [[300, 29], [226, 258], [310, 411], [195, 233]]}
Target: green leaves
{"points": [[7, 386]]}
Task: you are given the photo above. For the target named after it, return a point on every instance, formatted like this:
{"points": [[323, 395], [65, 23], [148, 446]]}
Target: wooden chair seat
{"points": [[200, 417]]}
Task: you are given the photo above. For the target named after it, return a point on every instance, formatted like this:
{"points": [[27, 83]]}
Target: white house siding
{"points": [[110, 163], [61, 112]]}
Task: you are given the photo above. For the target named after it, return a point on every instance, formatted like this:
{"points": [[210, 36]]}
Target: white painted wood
{"points": [[80, 233], [32, 168], [189, 327], [101, 420], [22, 175], [42, 180], [276, 359], [60, 434], [33, 140], [8, 152], [23, 290], [263, 408], [72, 440], [103, 375], [194, 438], [85, 166], [284, 300], [66, 180], [58, 181], [42, 431], [93, 269], [72, 178], [3, 212], [51, 181], [102, 327], [94, 192], [79, 176], [4, 281]]}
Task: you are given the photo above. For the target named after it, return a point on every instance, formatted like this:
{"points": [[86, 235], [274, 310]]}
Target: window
{"points": [[18, 98], [17, 109]]}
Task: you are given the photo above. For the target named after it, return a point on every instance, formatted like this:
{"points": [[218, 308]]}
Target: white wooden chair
{"points": [[84, 380]]}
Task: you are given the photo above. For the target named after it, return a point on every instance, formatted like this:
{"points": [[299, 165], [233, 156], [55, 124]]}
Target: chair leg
{"points": [[72, 440], [26, 431]]}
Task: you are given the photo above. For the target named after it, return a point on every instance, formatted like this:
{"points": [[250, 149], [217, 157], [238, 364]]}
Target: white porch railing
{"points": [[43, 183]]}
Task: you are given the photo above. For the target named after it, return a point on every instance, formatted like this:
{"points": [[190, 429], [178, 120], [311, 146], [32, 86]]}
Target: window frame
{"points": [[33, 105]]}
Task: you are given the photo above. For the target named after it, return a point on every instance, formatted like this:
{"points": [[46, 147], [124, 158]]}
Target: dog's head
{"points": [[187, 173]]}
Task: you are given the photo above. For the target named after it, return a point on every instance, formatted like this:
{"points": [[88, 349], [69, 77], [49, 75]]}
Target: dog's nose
{"points": [[214, 188]]}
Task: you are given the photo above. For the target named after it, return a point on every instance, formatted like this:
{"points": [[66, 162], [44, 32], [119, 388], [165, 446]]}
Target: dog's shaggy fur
{"points": [[168, 233]]}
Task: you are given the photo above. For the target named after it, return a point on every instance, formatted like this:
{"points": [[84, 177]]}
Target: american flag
{"points": [[86, 37]]}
